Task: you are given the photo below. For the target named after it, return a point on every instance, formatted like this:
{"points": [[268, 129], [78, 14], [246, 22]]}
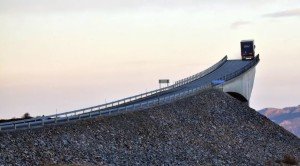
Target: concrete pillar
{"points": [[242, 84]]}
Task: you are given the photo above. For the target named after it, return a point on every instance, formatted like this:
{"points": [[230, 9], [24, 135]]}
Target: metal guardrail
{"points": [[115, 107], [47, 120], [201, 74], [241, 71], [121, 101]]}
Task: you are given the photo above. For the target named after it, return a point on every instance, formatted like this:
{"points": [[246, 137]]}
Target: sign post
{"points": [[163, 81]]}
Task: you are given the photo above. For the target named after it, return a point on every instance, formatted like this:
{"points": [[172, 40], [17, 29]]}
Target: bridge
{"points": [[235, 77]]}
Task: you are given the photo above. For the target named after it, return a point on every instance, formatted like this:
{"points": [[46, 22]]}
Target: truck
{"points": [[247, 49]]}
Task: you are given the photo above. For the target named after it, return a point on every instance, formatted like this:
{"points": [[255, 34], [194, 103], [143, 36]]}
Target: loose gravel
{"points": [[209, 128]]}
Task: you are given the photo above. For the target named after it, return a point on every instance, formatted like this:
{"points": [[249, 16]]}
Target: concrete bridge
{"points": [[236, 77]]}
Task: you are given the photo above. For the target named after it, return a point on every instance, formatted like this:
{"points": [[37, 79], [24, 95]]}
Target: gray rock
{"points": [[209, 128]]}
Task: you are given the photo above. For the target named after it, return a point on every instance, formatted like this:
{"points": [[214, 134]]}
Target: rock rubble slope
{"points": [[209, 128]]}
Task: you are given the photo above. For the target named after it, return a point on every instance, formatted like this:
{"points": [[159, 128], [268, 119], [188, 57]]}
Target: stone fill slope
{"points": [[207, 128]]}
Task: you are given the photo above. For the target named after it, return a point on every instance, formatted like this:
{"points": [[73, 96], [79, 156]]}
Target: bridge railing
{"points": [[124, 100], [116, 106], [102, 112], [240, 71], [90, 109], [201, 74]]}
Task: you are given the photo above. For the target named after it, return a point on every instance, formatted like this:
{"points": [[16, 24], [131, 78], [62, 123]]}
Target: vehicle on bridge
{"points": [[247, 49], [235, 77]]}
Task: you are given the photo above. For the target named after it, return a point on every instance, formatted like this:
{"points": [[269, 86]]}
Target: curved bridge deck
{"points": [[223, 70]]}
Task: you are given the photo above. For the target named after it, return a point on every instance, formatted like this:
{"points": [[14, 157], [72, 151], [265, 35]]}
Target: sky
{"points": [[62, 55]]}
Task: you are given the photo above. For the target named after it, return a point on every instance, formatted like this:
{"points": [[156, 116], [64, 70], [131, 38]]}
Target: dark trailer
{"points": [[247, 49]]}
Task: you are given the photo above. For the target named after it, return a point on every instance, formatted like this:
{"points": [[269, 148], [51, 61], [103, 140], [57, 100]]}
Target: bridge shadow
{"points": [[238, 96]]}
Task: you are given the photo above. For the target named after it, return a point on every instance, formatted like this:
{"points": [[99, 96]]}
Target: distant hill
{"points": [[288, 117], [208, 128]]}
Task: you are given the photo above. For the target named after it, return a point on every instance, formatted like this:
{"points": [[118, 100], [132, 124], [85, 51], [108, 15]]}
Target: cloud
{"points": [[44, 6], [286, 13], [237, 24], [94, 5]]}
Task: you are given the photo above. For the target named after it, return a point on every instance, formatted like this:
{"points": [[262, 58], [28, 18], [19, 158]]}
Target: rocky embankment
{"points": [[209, 128]]}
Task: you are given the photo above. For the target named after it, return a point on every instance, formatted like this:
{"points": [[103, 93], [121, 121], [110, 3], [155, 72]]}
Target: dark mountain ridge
{"points": [[288, 117]]}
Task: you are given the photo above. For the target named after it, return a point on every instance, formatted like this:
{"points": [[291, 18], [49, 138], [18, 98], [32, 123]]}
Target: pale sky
{"points": [[61, 55]]}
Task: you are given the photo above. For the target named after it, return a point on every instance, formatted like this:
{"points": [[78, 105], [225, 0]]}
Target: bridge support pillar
{"points": [[240, 86]]}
